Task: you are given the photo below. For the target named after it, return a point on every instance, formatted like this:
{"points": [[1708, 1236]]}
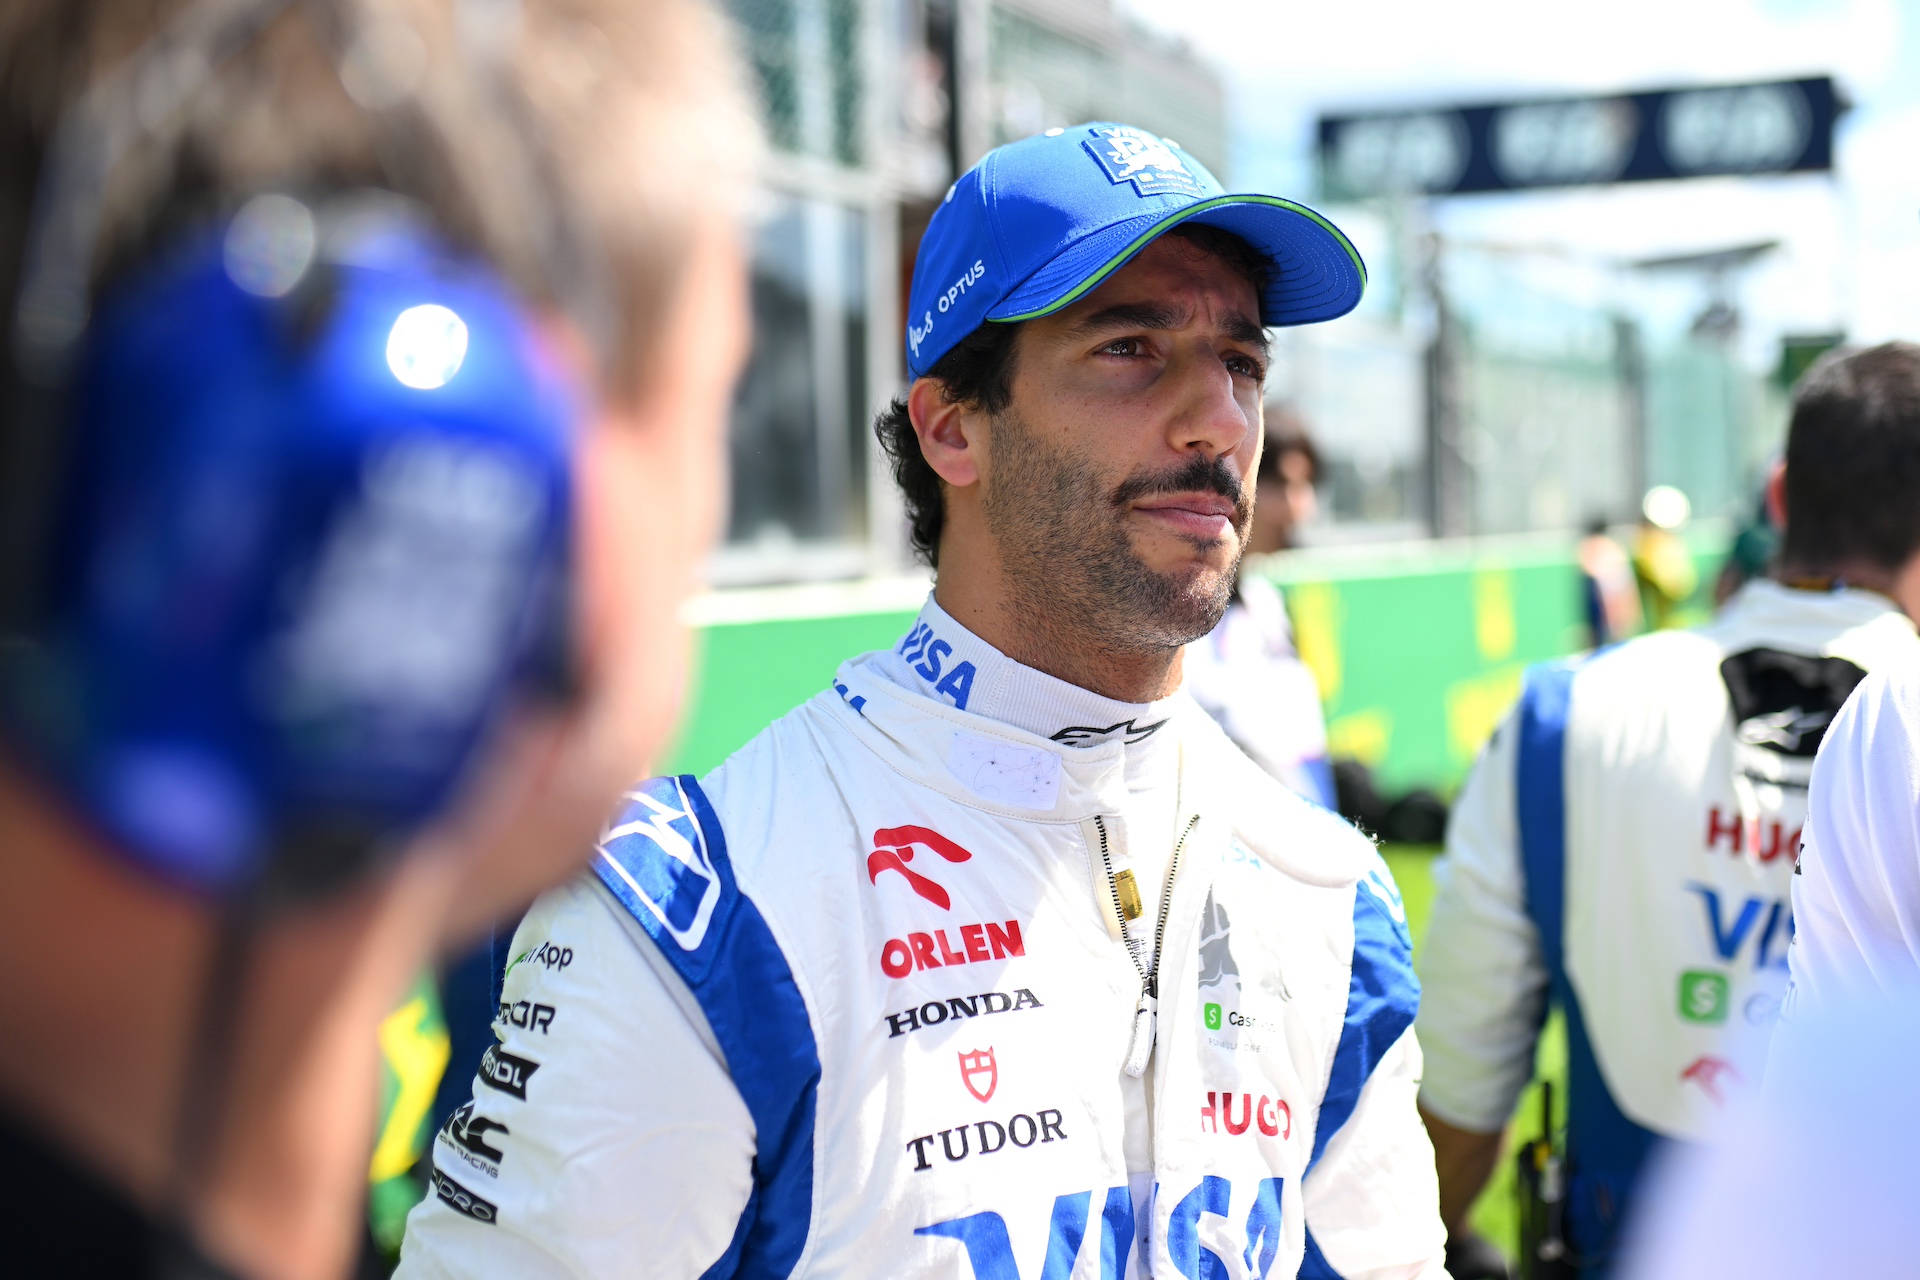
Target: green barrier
{"points": [[1418, 649]]}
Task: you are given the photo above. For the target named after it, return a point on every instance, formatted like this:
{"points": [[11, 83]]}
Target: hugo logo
{"points": [[896, 852], [1743, 834], [980, 1073], [1273, 1116]]}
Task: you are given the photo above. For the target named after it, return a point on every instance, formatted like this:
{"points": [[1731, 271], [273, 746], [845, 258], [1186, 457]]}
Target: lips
{"points": [[1209, 515]]}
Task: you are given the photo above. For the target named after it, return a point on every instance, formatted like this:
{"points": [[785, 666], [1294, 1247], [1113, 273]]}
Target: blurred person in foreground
{"points": [[1624, 847], [366, 398], [1838, 1117], [996, 956], [1246, 673]]}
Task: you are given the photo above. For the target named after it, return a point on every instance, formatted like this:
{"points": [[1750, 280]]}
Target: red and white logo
{"points": [[980, 1073], [1707, 1073], [1272, 1116], [895, 851]]}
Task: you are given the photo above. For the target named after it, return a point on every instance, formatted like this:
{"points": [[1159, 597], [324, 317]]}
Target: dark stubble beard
{"points": [[1071, 568]]}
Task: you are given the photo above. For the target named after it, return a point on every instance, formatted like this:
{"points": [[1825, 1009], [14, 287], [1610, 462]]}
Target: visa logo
{"points": [[990, 1251], [1768, 920], [927, 653]]}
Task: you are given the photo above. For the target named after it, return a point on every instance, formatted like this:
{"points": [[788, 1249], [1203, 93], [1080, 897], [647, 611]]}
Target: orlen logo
{"points": [[978, 942], [1272, 1115], [896, 851], [901, 956]]}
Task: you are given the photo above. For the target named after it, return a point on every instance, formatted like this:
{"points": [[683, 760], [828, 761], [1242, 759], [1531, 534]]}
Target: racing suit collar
{"points": [[942, 660], [951, 712]]}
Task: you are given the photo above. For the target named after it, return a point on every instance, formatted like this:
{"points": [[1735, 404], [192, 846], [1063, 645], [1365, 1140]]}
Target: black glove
{"points": [[1471, 1256]]}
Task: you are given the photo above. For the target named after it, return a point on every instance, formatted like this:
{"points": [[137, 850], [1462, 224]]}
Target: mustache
{"points": [[1198, 475]]}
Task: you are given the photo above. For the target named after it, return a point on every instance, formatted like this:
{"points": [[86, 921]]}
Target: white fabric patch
{"points": [[1024, 777]]}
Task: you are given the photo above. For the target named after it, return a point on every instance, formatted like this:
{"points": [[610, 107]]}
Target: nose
{"points": [[1208, 416]]}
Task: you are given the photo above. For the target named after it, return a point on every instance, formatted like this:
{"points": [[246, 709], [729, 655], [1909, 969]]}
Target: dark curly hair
{"points": [[978, 373]]}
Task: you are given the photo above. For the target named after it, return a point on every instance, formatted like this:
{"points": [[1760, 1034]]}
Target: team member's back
{"points": [[1624, 848]]}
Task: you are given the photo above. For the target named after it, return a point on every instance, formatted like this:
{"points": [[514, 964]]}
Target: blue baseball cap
{"points": [[1040, 222]]}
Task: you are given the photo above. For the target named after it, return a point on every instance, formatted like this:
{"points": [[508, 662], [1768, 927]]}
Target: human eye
{"points": [[1122, 347], [1246, 366]]}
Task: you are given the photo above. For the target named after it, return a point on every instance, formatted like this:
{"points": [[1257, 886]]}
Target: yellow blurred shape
{"points": [[1316, 612], [414, 1049], [1493, 626], [1363, 735], [1475, 706]]}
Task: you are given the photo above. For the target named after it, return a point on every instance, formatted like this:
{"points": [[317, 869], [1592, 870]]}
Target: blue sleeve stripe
{"points": [[1382, 997], [1540, 795], [1314, 1264], [665, 860]]}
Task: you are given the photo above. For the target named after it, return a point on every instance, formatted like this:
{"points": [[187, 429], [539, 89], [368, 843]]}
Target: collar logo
{"points": [[896, 851], [1126, 154], [980, 1073], [1086, 735]]}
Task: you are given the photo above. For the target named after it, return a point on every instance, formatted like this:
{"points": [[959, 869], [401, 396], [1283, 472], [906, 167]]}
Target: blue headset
{"points": [[303, 482]]}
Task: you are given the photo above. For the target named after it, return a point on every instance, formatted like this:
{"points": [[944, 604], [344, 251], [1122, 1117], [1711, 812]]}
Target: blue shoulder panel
{"points": [[1382, 997], [1605, 1149], [665, 860], [1540, 795]]}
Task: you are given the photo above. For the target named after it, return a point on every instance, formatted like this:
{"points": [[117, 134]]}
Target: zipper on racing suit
{"points": [[1145, 1011]]}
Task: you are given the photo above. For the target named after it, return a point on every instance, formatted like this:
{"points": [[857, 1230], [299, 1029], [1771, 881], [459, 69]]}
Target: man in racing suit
{"points": [[997, 957], [1625, 846]]}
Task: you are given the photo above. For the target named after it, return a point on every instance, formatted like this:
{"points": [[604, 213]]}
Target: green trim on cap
{"points": [[1161, 227]]}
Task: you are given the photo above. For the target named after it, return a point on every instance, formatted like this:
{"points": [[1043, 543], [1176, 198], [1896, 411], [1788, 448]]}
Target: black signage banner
{"points": [[1782, 126]]}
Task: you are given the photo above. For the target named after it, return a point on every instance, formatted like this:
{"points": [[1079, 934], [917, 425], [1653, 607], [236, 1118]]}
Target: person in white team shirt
{"points": [[1623, 848], [1856, 891], [996, 958], [1246, 672]]}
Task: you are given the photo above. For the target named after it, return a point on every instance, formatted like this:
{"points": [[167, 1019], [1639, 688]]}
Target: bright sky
{"points": [[1851, 256]]}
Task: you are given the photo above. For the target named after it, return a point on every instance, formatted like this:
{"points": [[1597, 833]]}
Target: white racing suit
{"points": [[862, 1002], [1625, 847]]}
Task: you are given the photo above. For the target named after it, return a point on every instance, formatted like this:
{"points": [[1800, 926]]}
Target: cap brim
{"points": [[1317, 273]]}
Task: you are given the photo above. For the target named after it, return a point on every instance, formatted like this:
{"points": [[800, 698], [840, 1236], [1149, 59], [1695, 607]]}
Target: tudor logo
{"points": [[895, 851], [980, 1073]]}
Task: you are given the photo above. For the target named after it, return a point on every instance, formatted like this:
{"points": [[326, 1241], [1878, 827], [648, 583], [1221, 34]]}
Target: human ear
{"points": [[1777, 496], [950, 433]]}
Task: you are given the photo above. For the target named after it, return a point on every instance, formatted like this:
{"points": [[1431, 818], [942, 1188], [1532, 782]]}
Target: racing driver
{"points": [[996, 957]]}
